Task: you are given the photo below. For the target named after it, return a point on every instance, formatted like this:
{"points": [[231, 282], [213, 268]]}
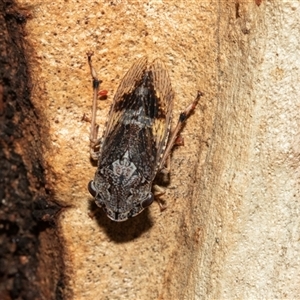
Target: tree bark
{"points": [[231, 228], [27, 212]]}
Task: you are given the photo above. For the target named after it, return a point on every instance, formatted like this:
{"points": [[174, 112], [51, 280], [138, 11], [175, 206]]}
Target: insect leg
{"points": [[159, 191], [174, 135], [179, 141], [94, 141]]}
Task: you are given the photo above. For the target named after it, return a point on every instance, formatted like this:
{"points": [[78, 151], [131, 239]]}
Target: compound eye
{"points": [[92, 189], [148, 201]]}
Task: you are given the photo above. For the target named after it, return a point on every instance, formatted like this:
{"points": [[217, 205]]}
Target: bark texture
{"points": [[27, 212]]}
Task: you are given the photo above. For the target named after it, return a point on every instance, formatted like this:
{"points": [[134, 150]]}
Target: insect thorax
{"points": [[122, 190]]}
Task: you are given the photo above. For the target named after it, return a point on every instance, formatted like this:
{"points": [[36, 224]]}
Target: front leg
{"points": [[159, 191], [94, 140], [175, 139], [174, 135]]}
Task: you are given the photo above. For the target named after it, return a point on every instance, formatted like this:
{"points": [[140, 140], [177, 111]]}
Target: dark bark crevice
{"points": [[30, 265]]}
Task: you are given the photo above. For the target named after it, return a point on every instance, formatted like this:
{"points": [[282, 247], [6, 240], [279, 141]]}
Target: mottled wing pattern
{"points": [[127, 86], [144, 95], [165, 96]]}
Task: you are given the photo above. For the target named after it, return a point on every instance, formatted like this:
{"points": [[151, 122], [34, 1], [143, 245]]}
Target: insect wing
{"points": [[144, 95], [164, 97], [126, 87]]}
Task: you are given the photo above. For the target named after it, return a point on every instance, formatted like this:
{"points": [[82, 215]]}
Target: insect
{"points": [[136, 141]]}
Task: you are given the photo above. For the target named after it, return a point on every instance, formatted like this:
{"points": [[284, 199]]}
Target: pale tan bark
{"points": [[231, 229]]}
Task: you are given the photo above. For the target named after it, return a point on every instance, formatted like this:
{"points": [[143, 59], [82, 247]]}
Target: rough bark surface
{"points": [[232, 224], [27, 215]]}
